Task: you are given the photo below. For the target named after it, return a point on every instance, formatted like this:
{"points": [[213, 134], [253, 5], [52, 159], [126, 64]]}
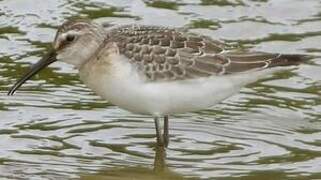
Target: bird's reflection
{"points": [[159, 171], [160, 159]]}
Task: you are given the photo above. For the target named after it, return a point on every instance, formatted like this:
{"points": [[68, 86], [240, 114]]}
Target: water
{"points": [[56, 128]]}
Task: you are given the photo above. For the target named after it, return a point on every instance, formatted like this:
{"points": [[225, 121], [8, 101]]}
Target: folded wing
{"points": [[165, 54]]}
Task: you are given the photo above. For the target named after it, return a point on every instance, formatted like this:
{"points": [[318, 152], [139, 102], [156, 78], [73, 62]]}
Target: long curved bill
{"points": [[49, 58]]}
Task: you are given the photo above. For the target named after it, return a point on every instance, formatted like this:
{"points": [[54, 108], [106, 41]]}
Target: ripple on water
{"points": [[55, 127]]}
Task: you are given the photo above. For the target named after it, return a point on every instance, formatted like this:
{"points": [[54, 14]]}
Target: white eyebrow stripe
{"points": [[63, 36], [74, 32]]}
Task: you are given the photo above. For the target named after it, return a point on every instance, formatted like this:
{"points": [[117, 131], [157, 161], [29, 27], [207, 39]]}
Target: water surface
{"points": [[55, 127]]}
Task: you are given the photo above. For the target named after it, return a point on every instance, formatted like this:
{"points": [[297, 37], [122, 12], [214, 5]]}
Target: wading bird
{"points": [[154, 70]]}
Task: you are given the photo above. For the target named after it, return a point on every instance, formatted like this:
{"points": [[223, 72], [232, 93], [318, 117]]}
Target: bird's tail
{"points": [[275, 63], [289, 60]]}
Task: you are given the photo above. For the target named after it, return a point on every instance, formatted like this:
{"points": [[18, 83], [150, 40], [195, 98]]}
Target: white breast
{"points": [[120, 83]]}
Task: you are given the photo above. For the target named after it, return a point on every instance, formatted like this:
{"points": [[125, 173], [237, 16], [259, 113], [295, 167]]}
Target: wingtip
{"points": [[294, 59]]}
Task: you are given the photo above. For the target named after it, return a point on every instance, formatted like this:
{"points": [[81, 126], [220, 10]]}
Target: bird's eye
{"points": [[70, 38]]}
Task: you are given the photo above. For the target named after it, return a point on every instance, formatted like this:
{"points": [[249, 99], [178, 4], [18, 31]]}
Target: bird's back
{"points": [[166, 54]]}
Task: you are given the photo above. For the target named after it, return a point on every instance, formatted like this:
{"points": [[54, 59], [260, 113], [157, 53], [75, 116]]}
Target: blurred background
{"points": [[56, 128]]}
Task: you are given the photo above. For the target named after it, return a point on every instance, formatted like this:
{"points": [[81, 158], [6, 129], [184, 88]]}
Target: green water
{"points": [[56, 128]]}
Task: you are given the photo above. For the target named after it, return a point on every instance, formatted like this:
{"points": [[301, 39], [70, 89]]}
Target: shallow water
{"points": [[55, 127]]}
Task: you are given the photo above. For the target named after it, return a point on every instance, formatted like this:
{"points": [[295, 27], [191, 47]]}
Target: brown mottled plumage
{"points": [[166, 54]]}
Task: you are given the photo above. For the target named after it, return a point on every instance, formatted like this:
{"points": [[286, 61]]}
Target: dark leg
{"points": [[160, 140], [166, 131]]}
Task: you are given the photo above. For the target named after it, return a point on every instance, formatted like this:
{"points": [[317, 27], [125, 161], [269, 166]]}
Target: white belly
{"points": [[122, 86]]}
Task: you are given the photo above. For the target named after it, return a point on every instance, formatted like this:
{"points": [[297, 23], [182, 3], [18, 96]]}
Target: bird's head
{"points": [[75, 42]]}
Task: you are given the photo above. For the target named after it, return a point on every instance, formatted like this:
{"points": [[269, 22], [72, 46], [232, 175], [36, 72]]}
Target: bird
{"points": [[154, 70]]}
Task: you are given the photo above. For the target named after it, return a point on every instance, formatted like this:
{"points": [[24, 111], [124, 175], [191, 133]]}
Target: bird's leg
{"points": [[166, 131], [160, 139]]}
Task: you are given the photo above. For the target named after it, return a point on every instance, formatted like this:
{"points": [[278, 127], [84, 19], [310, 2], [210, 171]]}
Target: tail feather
{"points": [[251, 61], [274, 64]]}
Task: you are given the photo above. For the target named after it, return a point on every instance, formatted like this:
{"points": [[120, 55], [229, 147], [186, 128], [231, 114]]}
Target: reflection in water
{"points": [[159, 171], [55, 128]]}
